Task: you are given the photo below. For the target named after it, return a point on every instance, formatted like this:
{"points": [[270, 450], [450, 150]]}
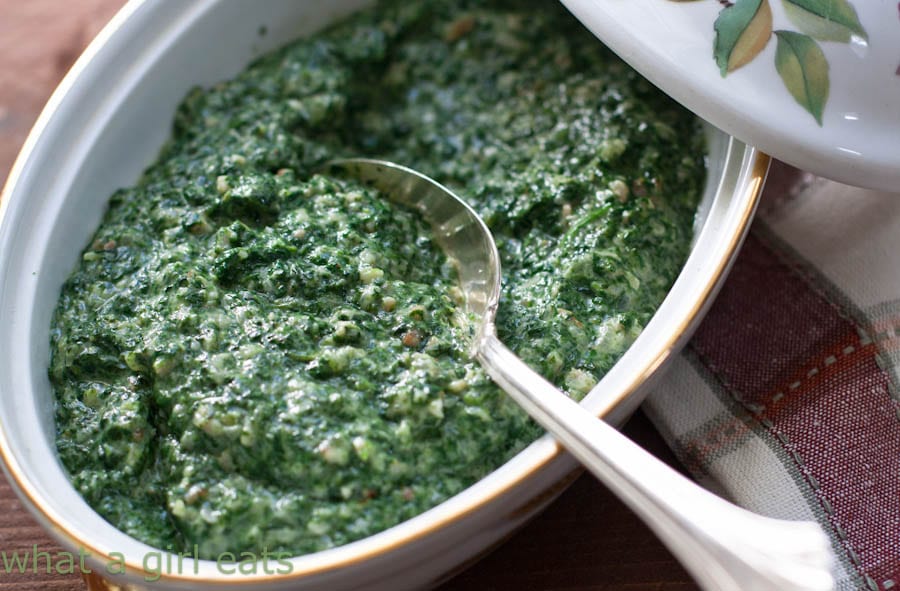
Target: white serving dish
{"points": [[102, 126]]}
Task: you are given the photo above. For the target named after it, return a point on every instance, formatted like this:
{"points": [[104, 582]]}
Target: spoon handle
{"points": [[725, 547]]}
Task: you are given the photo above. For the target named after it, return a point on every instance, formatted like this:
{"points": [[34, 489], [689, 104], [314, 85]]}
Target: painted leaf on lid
{"points": [[742, 31], [804, 70], [826, 20]]}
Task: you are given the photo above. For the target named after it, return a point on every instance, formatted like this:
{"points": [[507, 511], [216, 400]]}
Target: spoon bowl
{"points": [[458, 229], [724, 547]]}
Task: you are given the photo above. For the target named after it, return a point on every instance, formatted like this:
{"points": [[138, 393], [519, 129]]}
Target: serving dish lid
{"points": [[815, 83]]}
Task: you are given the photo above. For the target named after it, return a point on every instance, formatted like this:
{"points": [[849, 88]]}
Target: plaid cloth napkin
{"points": [[786, 400]]}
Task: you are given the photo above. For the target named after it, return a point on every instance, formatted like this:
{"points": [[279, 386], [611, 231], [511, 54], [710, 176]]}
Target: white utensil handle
{"points": [[725, 547]]}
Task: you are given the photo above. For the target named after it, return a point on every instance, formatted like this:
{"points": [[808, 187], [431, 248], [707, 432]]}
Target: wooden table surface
{"points": [[586, 540]]}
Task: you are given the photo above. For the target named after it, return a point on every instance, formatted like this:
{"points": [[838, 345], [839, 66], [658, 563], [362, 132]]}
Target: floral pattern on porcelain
{"points": [[744, 27]]}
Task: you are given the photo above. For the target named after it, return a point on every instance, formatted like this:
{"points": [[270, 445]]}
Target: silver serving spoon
{"points": [[725, 547]]}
